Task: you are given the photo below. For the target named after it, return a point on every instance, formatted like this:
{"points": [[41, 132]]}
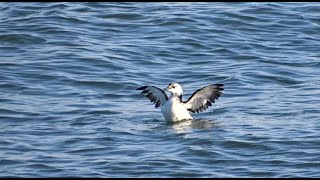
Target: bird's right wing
{"points": [[204, 97], [156, 95]]}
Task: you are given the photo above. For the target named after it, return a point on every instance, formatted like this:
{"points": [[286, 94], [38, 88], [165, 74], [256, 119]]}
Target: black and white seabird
{"points": [[173, 108]]}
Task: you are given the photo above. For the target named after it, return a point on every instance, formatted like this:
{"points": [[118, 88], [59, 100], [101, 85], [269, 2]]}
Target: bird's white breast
{"points": [[173, 110]]}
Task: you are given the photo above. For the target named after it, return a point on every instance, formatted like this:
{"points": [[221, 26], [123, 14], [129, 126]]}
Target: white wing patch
{"points": [[156, 95], [203, 98]]}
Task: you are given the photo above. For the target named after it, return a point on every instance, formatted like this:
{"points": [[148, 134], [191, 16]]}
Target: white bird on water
{"points": [[173, 108]]}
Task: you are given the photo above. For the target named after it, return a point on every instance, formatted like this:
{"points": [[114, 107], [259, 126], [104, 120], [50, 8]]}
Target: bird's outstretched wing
{"points": [[204, 97], [156, 95]]}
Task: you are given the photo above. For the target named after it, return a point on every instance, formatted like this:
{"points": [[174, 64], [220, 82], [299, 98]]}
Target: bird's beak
{"points": [[166, 89]]}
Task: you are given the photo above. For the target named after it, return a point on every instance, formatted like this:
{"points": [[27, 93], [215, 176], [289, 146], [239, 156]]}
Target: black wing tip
{"points": [[142, 88], [219, 85]]}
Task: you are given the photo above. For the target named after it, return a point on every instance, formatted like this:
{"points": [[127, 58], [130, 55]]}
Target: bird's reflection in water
{"points": [[189, 125]]}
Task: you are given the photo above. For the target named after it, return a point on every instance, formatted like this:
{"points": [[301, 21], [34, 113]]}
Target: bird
{"points": [[173, 108]]}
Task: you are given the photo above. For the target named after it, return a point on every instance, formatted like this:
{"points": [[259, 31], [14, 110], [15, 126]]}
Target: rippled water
{"points": [[69, 107]]}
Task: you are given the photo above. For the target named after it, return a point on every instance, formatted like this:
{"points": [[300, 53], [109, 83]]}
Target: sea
{"points": [[69, 73]]}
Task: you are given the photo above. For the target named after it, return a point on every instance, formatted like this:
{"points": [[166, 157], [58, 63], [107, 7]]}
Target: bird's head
{"points": [[175, 89]]}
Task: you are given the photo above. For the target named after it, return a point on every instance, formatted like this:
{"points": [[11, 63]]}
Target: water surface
{"points": [[69, 107]]}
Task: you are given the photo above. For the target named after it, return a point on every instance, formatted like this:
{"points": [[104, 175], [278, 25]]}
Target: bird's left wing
{"points": [[156, 95], [204, 97]]}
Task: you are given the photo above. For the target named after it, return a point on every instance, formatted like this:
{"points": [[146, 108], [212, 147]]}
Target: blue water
{"points": [[69, 108]]}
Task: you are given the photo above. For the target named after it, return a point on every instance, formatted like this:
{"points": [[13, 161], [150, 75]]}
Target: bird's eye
{"points": [[173, 87]]}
